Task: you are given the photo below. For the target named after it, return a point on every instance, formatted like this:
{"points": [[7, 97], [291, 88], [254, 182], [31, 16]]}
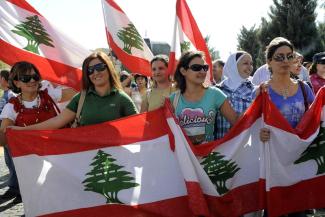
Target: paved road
{"points": [[7, 207]]}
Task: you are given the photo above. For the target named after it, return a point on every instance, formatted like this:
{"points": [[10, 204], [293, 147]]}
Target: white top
{"points": [[10, 113], [230, 70]]}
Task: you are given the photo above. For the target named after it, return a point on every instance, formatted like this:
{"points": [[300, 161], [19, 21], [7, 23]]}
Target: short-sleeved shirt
{"points": [[98, 109], [292, 108], [156, 97], [198, 118], [10, 113]]}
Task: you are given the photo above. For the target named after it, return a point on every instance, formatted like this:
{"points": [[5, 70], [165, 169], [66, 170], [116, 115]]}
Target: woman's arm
{"points": [[144, 105], [64, 118], [229, 113], [4, 124]]}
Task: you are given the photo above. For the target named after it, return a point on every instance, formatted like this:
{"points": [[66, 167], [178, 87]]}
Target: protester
{"points": [[104, 99], [195, 104], [126, 81], [317, 71], [217, 71], [140, 91], [31, 106], [238, 88], [162, 85], [290, 96]]}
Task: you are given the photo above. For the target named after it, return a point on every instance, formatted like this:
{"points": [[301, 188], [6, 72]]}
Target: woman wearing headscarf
{"points": [[237, 86]]}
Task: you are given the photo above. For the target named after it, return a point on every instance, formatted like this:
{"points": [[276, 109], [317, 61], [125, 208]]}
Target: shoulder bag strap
{"points": [[80, 104], [302, 86]]}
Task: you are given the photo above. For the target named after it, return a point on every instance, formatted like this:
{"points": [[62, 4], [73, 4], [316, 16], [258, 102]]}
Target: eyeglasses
{"points": [[198, 67], [321, 62], [158, 68], [28, 78], [282, 57], [99, 67]]}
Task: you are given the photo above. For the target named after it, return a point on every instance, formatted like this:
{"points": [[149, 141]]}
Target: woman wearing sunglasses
{"points": [[196, 104], [32, 105], [105, 99], [162, 85], [290, 96], [237, 86]]}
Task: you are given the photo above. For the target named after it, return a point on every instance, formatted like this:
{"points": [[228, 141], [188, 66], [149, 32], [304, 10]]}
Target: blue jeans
{"points": [[12, 180]]}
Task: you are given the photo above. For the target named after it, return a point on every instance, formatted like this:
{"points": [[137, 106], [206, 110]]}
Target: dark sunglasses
{"points": [[99, 67], [28, 78], [321, 62], [282, 57], [198, 67]]}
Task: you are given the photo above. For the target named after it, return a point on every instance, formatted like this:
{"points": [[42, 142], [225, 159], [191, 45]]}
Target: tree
{"points": [[321, 32], [294, 20], [248, 41], [33, 30], [107, 178], [131, 38], [212, 50], [219, 170], [3, 65], [316, 152], [185, 46]]}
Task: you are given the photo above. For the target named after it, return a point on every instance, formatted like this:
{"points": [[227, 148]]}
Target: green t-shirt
{"points": [[98, 109]]}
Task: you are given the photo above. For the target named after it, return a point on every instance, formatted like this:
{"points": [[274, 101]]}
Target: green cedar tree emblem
{"points": [[131, 38], [219, 170], [315, 151], [107, 178], [185, 46], [33, 30]]}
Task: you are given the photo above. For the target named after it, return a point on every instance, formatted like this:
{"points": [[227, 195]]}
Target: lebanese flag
{"points": [[134, 166], [283, 176], [25, 35], [125, 40], [187, 36]]}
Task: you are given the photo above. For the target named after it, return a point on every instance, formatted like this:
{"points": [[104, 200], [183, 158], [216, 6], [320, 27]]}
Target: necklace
{"points": [[285, 93]]}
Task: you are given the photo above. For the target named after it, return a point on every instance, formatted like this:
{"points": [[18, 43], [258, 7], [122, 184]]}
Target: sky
{"points": [[83, 20]]}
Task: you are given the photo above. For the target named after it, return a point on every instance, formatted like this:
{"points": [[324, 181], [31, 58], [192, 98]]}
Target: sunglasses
{"points": [[198, 67], [282, 57], [321, 62], [99, 67], [158, 68], [28, 78]]}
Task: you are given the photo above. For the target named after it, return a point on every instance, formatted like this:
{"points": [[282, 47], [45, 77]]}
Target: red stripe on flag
{"points": [[175, 207], [192, 31], [238, 201], [172, 63], [135, 64], [128, 130], [50, 70], [196, 199], [24, 5], [304, 195], [113, 4]]}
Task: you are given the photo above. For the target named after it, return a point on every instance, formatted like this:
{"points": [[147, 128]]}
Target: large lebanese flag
{"points": [[283, 176], [187, 36], [130, 167], [25, 35], [125, 40]]}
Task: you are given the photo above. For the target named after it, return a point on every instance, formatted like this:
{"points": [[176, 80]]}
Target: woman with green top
{"points": [[162, 86], [196, 104], [104, 99]]}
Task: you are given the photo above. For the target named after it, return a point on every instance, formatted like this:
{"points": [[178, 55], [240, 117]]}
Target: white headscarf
{"points": [[230, 70]]}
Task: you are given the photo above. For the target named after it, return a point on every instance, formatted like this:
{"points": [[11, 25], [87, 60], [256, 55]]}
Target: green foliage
{"points": [[219, 170], [185, 46], [248, 41], [34, 32], [107, 178], [315, 151], [294, 20], [131, 38], [214, 53], [321, 32], [3, 65]]}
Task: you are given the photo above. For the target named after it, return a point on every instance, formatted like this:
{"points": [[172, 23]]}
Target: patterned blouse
{"points": [[240, 100]]}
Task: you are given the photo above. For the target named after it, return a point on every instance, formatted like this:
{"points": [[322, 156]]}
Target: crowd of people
{"points": [[205, 112]]}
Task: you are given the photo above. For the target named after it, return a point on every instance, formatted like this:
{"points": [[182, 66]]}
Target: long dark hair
{"points": [[113, 76], [19, 69], [184, 62]]}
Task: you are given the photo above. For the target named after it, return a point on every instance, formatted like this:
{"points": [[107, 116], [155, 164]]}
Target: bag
{"points": [[76, 122]]}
